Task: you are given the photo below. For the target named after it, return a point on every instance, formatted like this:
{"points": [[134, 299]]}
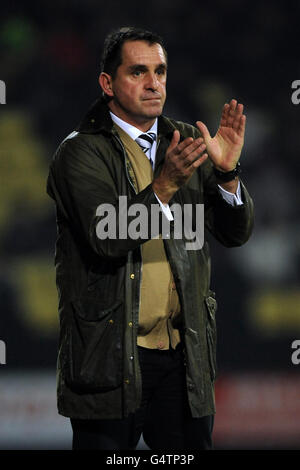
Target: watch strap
{"points": [[224, 177]]}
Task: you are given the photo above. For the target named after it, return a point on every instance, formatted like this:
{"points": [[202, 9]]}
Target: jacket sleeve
{"points": [[231, 225], [80, 181]]}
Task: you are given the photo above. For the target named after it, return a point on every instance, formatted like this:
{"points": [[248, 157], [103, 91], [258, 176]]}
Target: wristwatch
{"points": [[224, 177]]}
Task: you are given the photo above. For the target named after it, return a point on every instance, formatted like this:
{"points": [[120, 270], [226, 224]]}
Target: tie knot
{"points": [[148, 136], [146, 140]]}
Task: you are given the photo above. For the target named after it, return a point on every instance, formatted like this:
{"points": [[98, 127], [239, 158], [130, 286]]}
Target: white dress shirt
{"points": [[134, 132]]}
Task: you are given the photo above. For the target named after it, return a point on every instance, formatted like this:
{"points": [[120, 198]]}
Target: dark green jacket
{"points": [[99, 280]]}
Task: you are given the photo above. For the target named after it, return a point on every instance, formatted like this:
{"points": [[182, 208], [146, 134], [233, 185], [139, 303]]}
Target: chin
{"points": [[154, 113], [153, 108]]}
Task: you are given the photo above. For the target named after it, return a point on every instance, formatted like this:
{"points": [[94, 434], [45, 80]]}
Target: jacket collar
{"points": [[97, 120]]}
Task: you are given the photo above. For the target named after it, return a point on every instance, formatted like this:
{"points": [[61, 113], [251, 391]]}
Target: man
{"points": [[137, 318]]}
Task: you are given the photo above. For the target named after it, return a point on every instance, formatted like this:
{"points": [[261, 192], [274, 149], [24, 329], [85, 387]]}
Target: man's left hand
{"points": [[224, 149]]}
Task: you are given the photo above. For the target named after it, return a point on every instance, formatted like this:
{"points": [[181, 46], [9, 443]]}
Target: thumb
{"points": [[204, 131], [175, 140]]}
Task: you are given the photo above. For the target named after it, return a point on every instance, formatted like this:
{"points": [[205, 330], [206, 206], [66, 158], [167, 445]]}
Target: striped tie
{"points": [[145, 141]]}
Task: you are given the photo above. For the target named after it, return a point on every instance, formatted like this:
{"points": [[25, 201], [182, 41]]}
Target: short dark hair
{"points": [[112, 52]]}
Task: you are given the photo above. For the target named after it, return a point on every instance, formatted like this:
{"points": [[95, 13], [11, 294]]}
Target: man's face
{"points": [[139, 87]]}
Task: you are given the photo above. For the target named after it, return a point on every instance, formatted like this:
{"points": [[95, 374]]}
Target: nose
{"points": [[151, 82]]}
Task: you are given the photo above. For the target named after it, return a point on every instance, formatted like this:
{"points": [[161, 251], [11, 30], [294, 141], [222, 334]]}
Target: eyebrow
{"points": [[144, 68]]}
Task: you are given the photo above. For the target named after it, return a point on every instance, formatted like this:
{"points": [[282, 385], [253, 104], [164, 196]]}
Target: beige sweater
{"points": [[159, 302]]}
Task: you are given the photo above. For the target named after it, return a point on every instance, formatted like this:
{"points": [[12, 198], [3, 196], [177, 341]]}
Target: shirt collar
{"points": [[132, 131]]}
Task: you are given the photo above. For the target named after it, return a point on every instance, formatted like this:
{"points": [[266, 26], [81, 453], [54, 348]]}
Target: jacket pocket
{"points": [[211, 333], [95, 347], [103, 282]]}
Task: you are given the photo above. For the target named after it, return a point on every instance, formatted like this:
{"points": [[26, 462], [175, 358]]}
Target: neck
{"points": [[142, 124]]}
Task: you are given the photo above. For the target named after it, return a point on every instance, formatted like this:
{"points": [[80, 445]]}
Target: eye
{"points": [[137, 73]]}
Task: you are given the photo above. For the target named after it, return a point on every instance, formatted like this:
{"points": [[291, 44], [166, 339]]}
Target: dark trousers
{"points": [[164, 416]]}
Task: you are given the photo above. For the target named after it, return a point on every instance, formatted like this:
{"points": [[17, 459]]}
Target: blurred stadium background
{"points": [[49, 60]]}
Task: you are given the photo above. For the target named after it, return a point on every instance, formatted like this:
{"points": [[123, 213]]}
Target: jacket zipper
{"points": [[136, 320]]}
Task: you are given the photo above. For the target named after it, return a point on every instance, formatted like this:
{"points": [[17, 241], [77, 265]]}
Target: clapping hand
{"points": [[224, 149]]}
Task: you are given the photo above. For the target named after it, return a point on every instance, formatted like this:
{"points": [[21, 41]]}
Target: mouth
{"points": [[158, 98]]}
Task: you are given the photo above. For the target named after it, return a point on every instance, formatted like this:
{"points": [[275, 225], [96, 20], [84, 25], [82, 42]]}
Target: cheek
{"points": [[129, 93], [163, 93], [122, 90], [163, 87]]}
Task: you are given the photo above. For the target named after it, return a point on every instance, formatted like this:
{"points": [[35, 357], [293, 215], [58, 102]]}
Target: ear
{"points": [[105, 82]]}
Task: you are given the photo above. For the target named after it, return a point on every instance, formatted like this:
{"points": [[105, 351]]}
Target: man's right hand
{"points": [[181, 161]]}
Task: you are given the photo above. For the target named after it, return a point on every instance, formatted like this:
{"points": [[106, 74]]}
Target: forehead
{"points": [[142, 52]]}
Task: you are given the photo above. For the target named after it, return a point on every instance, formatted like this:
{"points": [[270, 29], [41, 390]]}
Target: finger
{"points": [[224, 115], [232, 113], [204, 131], [237, 117], [192, 147], [229, 113], [199, 161], [183, 145], [237, 122], [175, 140], [230, 117], [233, 104], [242, 126], [193, 156], [240, 109]]}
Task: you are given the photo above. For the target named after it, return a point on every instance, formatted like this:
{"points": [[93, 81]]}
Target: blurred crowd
{"points": [[50, 55]]}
